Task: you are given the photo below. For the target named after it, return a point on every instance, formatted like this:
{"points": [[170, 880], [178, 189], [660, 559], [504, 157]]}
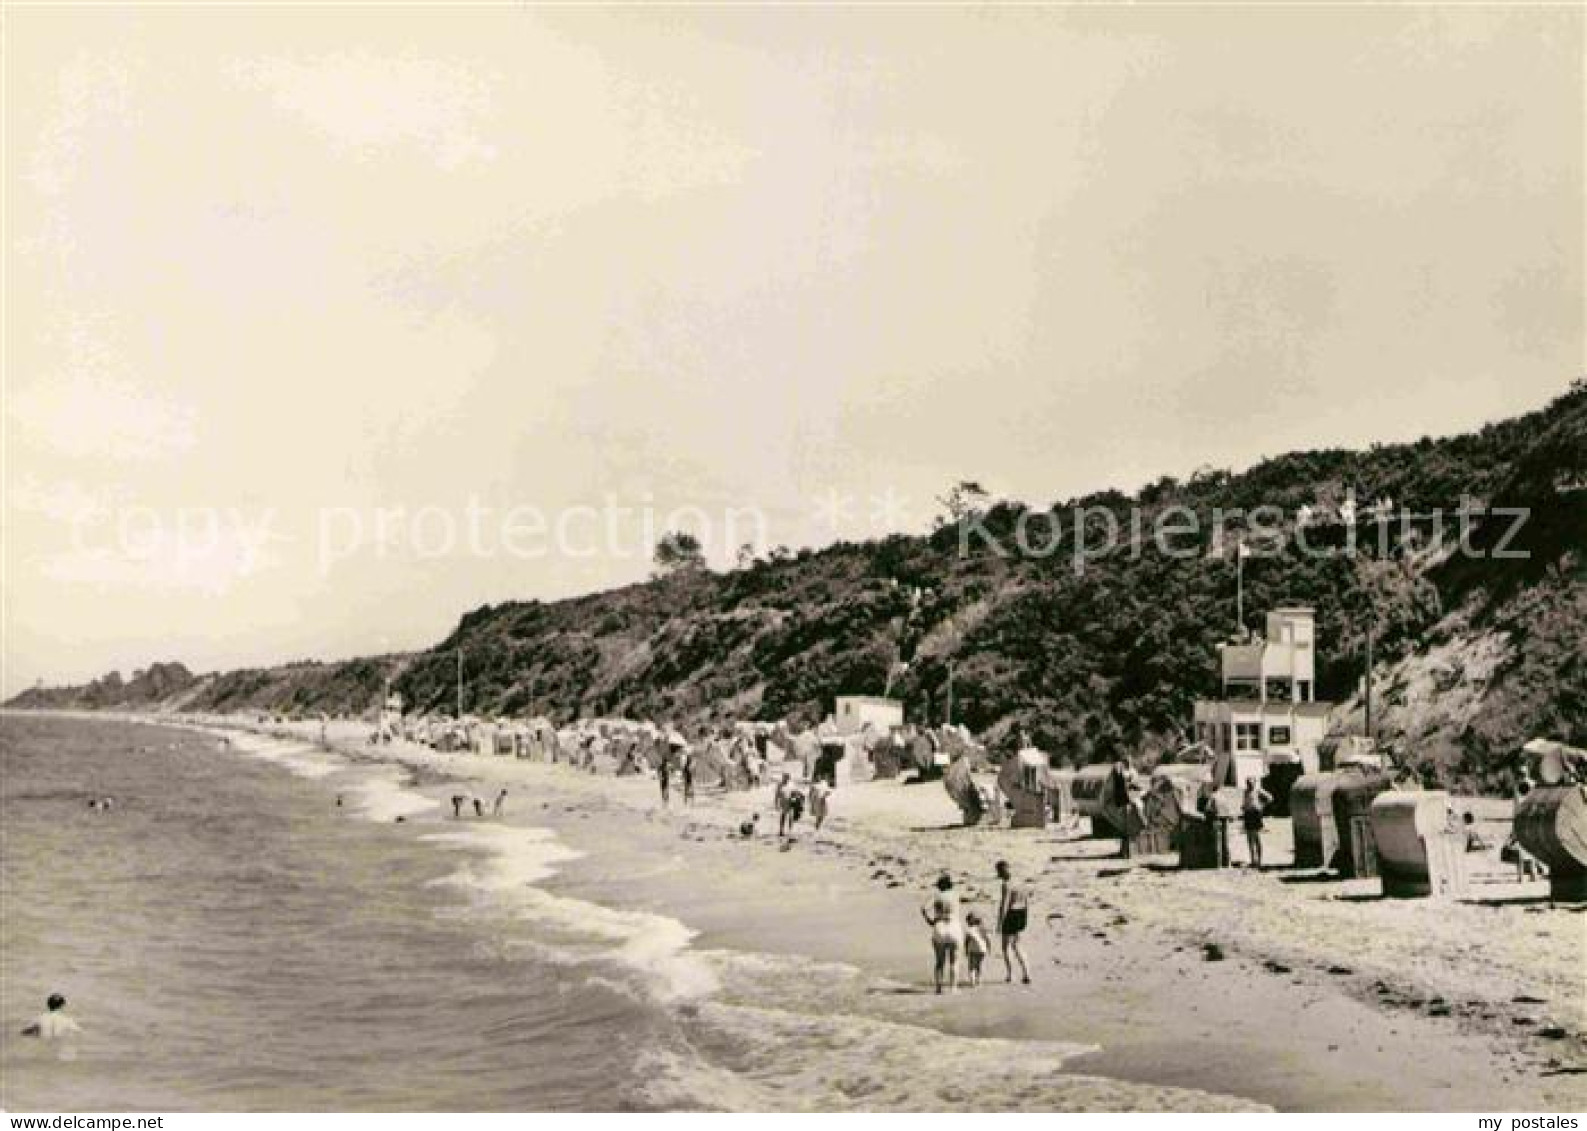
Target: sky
{"points": [[324, 326]]}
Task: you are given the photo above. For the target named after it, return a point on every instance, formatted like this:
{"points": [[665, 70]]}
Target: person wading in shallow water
{"points": [[1013, 911], [52, 1024], [947, 933]]}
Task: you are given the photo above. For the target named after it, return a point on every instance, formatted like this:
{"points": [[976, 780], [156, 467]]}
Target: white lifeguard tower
{"points": [[850, 713], [1269, 714]]}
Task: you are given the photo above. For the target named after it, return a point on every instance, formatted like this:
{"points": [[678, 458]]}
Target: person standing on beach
{"points": [[664, 778], [500, 804], [1119, 796], [457, 806], [686, 771], [1013, 911], [479, 807], [975, 947], [1251, 817], [819, 793], [947, 933], [780, 802]]}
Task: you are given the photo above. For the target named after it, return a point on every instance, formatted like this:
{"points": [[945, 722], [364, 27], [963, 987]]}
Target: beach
{"points": [[1296, 995], [590, 950]]}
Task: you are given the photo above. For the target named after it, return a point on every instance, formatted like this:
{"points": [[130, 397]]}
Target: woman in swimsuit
{"points": [[1013, 909], [947, 932], [1251, 806]]}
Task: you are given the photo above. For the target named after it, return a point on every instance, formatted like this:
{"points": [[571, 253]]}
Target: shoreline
{"points": [[1359, 982], [1363, 989]]}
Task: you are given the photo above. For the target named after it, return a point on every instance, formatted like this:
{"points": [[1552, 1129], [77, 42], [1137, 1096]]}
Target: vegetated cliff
{"points": [[151, 686], [1095, 652]]}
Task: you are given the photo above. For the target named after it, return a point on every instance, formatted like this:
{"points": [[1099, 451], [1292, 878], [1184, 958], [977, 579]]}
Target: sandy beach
{"points": [[1277, 987]]}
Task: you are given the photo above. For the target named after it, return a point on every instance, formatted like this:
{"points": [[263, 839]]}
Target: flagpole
{"points": [[1239, 586], [1371, 632]]}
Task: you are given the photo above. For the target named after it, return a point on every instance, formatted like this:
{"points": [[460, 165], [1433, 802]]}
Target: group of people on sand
{"points": [[1125, 792], [956, 936], [791, 802], [497, 807]]}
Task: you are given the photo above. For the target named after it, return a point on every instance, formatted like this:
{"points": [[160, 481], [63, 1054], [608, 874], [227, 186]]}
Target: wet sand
{"points": [[1297, 994]]}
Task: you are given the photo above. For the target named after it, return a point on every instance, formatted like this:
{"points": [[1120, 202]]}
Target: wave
{"points": [[517, 856], [385, 797], [759, 1031], [301, 758], [376, 794], [744, 1057], [570, 930], [737, 1030]]}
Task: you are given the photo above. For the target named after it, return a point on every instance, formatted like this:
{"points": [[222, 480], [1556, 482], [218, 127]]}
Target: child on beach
{"points": [[975, 946]]}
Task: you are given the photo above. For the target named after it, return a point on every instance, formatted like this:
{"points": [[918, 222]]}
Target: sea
{"points": [[258, 924]]}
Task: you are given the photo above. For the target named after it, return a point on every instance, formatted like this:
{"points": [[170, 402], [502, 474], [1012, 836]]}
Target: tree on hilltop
{"points": [[678, 551]]}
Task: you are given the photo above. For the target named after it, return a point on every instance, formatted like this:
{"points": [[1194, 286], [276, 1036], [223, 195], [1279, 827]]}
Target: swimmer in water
{"points": [[52, 1024]]}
